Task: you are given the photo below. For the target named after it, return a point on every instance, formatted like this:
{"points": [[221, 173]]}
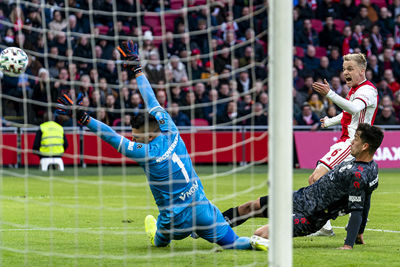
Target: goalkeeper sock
{"points": [[233, 218]]}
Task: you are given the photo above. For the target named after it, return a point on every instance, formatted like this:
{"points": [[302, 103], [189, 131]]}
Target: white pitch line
{"points": [[373, 230]]}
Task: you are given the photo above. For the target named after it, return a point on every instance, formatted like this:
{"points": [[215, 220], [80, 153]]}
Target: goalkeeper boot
{"points": [[150, 225], [259, 243], [323, 232]]}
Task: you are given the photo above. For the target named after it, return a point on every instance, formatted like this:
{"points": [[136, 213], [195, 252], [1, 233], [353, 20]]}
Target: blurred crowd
{"points": [[206, 63], [326, 30]]}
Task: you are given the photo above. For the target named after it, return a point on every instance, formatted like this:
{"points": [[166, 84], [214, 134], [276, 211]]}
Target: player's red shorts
{"points": [[338, 153]]}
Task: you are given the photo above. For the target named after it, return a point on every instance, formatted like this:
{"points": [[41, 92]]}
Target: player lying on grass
{"points": [[360, 106], [158, 147], [347, 188]]}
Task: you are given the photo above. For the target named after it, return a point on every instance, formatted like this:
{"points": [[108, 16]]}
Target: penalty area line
{"points": [[373, 230]]}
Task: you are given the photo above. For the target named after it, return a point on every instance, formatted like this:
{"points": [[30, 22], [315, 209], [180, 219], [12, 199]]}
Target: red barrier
{"points": [[208, 147], [71, 155], [256, 146], [96, 151], [8, 149], [311, 146]]}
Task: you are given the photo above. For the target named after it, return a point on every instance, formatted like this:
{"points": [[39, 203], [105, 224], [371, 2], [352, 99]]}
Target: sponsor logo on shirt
{"points": [[190, 192], [130, 145], [345, 167], [167, 154], [371, 184], [355, 198]]}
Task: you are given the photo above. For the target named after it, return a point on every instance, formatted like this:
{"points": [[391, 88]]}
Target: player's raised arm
{"points": [[119, 142], [351, 107], [129, 51]]}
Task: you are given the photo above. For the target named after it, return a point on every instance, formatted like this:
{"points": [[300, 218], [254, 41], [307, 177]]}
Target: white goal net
{"points": [[206, 61]]}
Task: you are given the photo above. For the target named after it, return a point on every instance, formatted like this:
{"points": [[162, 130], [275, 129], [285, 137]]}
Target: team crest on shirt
{"points": [[139, 146], [161, 121]]}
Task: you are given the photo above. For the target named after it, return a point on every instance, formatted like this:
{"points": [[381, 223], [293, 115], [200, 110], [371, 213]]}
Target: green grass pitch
{"points": [[94, 217]]}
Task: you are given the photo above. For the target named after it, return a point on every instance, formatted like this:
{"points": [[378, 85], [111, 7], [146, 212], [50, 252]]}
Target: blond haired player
{"points": [[359, 106]]}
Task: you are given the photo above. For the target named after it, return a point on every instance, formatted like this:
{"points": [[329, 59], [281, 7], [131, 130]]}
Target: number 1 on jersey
{"points": [[178, 161]]}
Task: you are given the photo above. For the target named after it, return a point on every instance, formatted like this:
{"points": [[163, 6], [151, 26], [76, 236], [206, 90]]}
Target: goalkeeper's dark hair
{"points": [[140, 120], [372, 135]]}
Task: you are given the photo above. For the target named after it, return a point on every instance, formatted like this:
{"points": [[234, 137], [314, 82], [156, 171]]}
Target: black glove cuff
{"points": [[83, 117]]}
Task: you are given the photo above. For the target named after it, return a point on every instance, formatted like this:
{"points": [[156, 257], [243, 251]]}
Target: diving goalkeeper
{"points": [[158, 147]]}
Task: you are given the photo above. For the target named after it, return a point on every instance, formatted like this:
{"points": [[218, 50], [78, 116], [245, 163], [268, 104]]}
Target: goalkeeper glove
{"points": [[65, 108], [129, 51]]}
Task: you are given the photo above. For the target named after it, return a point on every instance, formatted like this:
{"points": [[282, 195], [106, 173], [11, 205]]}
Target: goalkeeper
{"points": [[158, 147]]}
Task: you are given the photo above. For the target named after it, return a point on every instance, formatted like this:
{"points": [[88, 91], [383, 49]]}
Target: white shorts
{"points": [[338, 153]]}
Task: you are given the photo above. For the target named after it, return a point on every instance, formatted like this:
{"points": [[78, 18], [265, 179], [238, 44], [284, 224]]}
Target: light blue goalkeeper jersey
{"points": [[165, 160]]}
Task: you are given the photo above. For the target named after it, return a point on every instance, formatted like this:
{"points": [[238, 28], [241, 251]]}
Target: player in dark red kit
{"points": [[347, 188]]}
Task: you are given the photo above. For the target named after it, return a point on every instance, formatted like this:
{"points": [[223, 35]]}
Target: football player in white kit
{"points": [[359, 106]]}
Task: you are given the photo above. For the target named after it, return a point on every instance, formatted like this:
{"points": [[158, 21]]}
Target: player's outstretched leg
{"points": [[150, 226], [259, 243]]}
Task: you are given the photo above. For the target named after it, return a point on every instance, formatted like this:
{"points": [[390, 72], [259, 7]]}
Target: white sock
{"points": [[327, 226]]}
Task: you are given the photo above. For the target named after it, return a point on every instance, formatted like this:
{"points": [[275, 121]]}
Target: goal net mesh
{"points": [[206, 62]]}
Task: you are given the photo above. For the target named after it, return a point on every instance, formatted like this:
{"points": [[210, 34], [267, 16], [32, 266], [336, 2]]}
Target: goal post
{"points": [[280, 132]]}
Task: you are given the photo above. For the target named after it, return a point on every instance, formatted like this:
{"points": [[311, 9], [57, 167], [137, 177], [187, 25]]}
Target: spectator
{"points": [[192, 110], [387, 58], [346, 42], [316, 105], [329, 34], [394, 8], [260, 115], [259, 53], [59, 23], [376, 66], [248, 57], [112, 106], [244, 82], [386, 117], [304, 92], [305, 10], [335, 60], [372, 10], [362, 19], [376, 39], [298, 81], [196, 65], [331, 111], [384, 90], [391, 81], [161, 96], [323, 71], [396, 104], [311, 63], [43, 92], [214, 108], [178, 69], [125, 121], [386, 22], [154, 70], [348, 10], [169, 46], [307, 36], [136, 103], [102, 116], [230, 115], [223, 59], [336, 85], [179, 118], [307, 117], [328, 8]]}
